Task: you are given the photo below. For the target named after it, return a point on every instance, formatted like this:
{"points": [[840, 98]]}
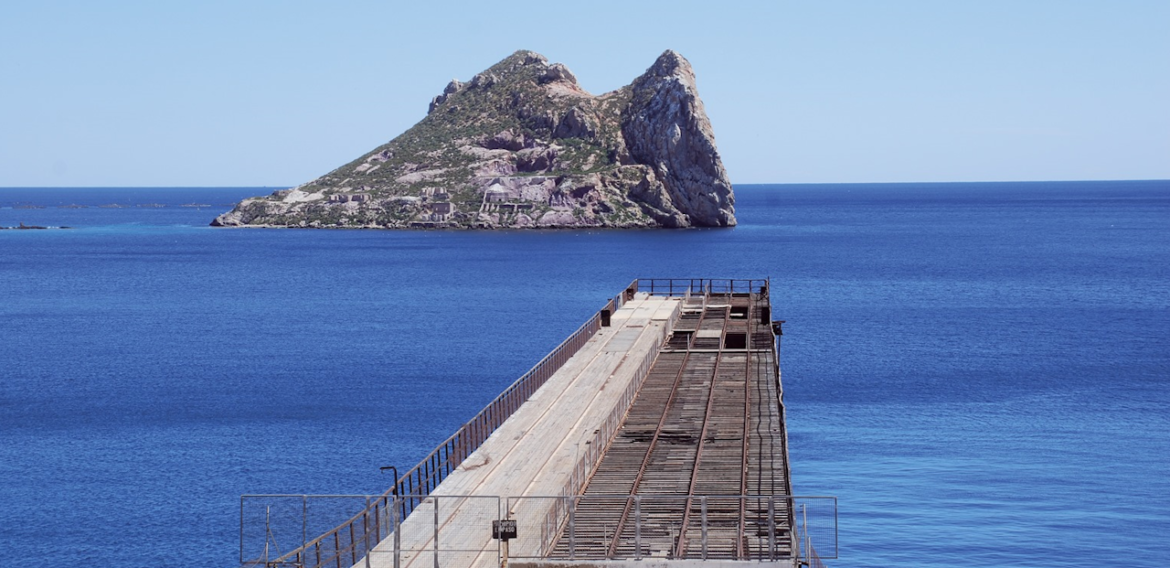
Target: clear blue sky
{"points": [[224, 93]]}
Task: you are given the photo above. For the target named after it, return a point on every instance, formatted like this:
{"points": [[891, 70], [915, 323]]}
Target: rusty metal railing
{"points": [[681, 286], [686, 287]]}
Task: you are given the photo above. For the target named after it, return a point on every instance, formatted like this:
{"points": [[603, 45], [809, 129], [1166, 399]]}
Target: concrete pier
{"points": [[655, 433]]}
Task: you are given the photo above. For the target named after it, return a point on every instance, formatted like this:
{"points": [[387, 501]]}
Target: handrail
{"points": [[680, 286]]}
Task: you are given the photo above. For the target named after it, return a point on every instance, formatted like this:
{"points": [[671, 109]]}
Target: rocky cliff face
{"points": [[523, 145]]}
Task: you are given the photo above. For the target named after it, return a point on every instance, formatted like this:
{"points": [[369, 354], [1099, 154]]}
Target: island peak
{"points": [[522, 145]]}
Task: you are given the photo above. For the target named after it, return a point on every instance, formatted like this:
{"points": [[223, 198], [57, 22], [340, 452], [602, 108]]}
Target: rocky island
{"points": [[522, 145]]}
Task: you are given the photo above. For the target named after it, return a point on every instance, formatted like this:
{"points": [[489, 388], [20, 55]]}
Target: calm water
{"points": [[980, 372]]}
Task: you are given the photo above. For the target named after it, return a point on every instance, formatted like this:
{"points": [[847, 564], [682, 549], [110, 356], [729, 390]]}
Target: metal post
{"points": [[352, 546], [572, 531], [637, 527], [703, 508], [397, 533], [366, 526], [436, 506], [772, 528], [807, 542], [378, 524], [504, 510]]}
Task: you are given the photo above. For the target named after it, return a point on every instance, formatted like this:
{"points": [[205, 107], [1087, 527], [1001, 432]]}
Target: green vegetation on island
{"points": [[522, 145]]}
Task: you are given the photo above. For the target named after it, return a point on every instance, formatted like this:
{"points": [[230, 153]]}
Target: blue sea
{"points": [[980, 372]]}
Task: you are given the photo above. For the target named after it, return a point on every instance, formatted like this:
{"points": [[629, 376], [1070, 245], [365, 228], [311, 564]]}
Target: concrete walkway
{"points": [[536, 451]]}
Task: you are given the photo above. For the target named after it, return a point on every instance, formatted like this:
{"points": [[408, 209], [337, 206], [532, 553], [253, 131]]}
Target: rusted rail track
{"points": [[708, 421]]}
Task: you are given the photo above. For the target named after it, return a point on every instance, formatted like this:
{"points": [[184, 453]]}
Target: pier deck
{"points": [[656, 431]]}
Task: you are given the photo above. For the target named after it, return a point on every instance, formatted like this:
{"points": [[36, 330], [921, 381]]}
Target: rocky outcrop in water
{"points": [[522, 145]]}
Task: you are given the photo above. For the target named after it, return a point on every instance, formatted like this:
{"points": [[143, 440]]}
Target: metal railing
{"points": [[274, 528], [355, 536], [681, 286], [456, 530]]}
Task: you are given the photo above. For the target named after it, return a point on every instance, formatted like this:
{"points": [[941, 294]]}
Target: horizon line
{"points": [[734, 184]]}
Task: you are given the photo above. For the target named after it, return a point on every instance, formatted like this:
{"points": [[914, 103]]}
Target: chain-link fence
{"points": [[295, 530], [816, 519]]}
